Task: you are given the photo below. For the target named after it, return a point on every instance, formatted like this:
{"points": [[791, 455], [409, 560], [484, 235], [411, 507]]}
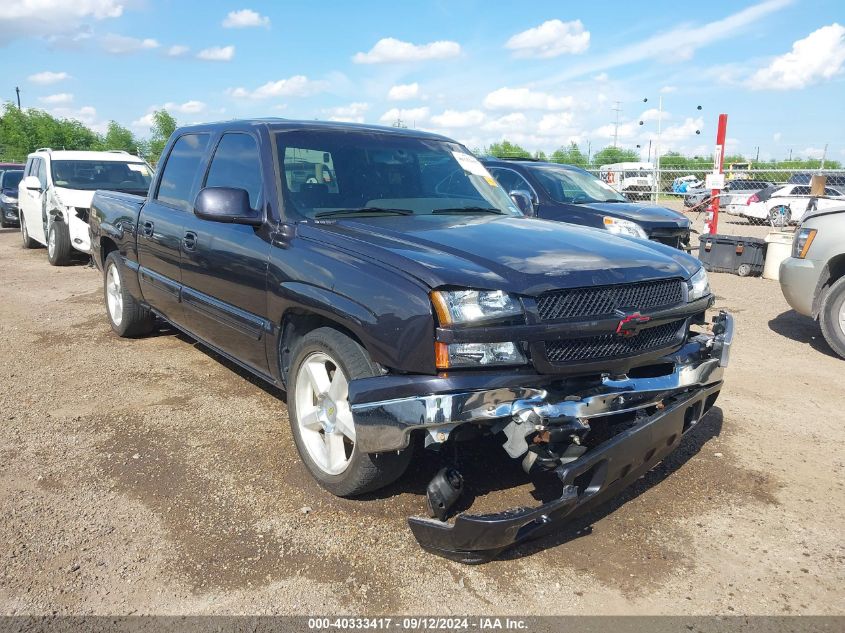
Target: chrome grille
{"points": [[601, 301]]}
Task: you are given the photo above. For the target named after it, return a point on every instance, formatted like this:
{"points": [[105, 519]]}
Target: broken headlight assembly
{"points": [[475, 308], [698, 285]]}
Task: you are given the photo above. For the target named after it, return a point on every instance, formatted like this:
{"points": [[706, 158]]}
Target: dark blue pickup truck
{"points": [[388, 283]]}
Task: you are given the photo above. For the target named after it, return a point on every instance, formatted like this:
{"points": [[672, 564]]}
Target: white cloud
{"points": [[551, 39], [177, 50], [217, 53], [21, 18], [458, 119], [817, 57], [652, 114], [48, 77], [189, 107], [143, 123], [245, 18], [525, 99], [390, 49], [507, 123], [683, 40], [56, 99], [409, 116], [682, 131], [555, 123], [122, 44], [352, 113], [85, 114], [296, 86], [403, 92], [812, 152], [668, 89], [601, 77], [776, 137]]}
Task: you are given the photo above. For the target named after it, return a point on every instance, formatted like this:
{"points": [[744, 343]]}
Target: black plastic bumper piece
{"points": [[599, 474]]}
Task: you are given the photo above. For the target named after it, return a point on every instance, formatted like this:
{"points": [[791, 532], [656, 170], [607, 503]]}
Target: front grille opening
{"points": [[597, 301], [614, 346], [651, 371], [692, 415]]}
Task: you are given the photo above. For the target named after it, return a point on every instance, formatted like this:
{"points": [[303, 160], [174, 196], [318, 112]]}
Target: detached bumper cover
{"points": [[681, 398]]}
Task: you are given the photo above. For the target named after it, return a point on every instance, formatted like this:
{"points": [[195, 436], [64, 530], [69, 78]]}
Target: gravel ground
{"points": [[150, 476]]}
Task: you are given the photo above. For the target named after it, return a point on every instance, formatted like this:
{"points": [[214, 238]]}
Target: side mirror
{"points": [[522, 199], [32, 183], [226, 204]]}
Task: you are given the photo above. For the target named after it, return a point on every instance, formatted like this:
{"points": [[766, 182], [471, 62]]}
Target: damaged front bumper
{"points": [[518, 404]]}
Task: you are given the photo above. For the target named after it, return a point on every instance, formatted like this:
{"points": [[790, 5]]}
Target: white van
{"points": [[634, 180], [56, 191]]}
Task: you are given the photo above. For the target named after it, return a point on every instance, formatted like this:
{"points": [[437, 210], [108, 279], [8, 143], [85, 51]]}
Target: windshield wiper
{"points": [[468, 210], [363, 211]]}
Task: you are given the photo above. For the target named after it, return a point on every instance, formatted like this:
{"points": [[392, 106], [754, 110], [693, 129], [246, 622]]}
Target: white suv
{"points": [[56, 191]]}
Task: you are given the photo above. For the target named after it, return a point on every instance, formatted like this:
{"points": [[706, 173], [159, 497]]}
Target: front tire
{"points": [[324, 361], [58, 244], [28, 242], [127, 317], [832, 317]]}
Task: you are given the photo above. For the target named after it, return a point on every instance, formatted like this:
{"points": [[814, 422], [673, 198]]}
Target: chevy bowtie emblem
{"points": [[630, 324]]}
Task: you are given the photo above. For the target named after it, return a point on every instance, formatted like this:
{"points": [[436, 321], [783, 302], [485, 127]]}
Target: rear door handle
{"points": [[147, 229], [190, 241]]}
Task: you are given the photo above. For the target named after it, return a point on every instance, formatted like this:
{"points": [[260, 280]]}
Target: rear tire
{"points": [[832, 317], [743, 270], [28, 242], [58, 244], [780, 215], [324, 361], [127, 317]]}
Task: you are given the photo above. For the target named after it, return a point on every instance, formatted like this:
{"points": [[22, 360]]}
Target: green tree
{"points": [[611, 154], [118, 137], [540, 155], [22, 131], [569, 156], [163, 126], [506, 149]]}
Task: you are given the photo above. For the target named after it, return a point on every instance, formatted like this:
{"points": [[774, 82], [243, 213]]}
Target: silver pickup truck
{"points": [[813, 279]]}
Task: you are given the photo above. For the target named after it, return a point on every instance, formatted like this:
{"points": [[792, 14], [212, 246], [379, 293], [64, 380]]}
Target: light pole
{"points": [[657, 143]]}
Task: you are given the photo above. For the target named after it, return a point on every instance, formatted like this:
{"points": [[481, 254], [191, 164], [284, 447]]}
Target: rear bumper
{"points": [[675, 402], [9, 212], [601, 474]]}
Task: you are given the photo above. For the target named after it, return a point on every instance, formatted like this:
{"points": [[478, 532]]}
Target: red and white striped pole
{"points": [[718, 168]]}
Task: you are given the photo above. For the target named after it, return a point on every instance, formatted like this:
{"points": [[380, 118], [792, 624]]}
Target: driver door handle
{"points": [[147, 229], [190, 241]]}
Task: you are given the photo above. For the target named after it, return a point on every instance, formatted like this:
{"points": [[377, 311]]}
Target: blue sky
{"points": [[540, 73]]}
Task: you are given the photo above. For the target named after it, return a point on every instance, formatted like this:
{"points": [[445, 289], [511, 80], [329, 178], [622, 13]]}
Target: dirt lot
{"points": [[148, 476]]}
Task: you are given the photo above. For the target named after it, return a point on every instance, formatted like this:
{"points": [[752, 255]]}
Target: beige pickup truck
{"points": [[813, 279]]}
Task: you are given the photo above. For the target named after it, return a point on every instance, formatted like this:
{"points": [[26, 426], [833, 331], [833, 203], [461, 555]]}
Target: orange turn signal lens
{"points": [[441, 355], [440, 308], [811, 235]]}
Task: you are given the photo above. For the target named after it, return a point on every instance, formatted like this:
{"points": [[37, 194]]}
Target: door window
{"points": [[236, 164], [511, 180], [42, 173], [181, 167]]}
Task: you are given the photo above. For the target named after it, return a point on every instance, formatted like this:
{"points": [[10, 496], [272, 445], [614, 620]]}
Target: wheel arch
{"points": [[832, 272]]}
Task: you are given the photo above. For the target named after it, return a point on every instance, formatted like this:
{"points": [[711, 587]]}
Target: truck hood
{"points": [[526, 256], [648, 215], [75, 197]]}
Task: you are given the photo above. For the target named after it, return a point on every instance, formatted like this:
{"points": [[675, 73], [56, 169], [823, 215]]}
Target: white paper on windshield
{"points": [[473, 166], [138, 167]]}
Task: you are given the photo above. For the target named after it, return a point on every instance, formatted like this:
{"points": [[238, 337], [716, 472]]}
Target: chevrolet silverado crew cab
{"points": [[56, 191], [385, 280], [570, 194]]}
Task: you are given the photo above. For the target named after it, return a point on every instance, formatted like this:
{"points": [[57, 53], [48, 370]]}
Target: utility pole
{"points": [[18, 92], [617, 109], [790, 155], [757, 158], [824, 155]]}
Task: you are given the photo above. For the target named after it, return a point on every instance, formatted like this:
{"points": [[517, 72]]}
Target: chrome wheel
{"points": [[51, 242], [114, 296], [323, 414], [842, 318]]}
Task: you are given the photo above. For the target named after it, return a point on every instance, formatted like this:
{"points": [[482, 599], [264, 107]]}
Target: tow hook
{"points": [[443, 491]]}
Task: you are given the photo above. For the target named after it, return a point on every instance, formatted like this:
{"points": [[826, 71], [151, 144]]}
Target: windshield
{"points": [[331, 173], [11, 179], [574, 186], [132, 177]]}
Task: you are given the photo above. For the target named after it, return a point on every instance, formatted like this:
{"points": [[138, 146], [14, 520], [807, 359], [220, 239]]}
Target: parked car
{"points": [[734, 197], [635, 180], [782, 205], [813, 279], [697, 197], [56, 191], [389, 285], [569, 194], [682, 184], [9, 181], [836, 179]]}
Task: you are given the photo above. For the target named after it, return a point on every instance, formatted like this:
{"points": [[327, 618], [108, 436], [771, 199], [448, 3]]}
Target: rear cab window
{"points": [[180, 171]]}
